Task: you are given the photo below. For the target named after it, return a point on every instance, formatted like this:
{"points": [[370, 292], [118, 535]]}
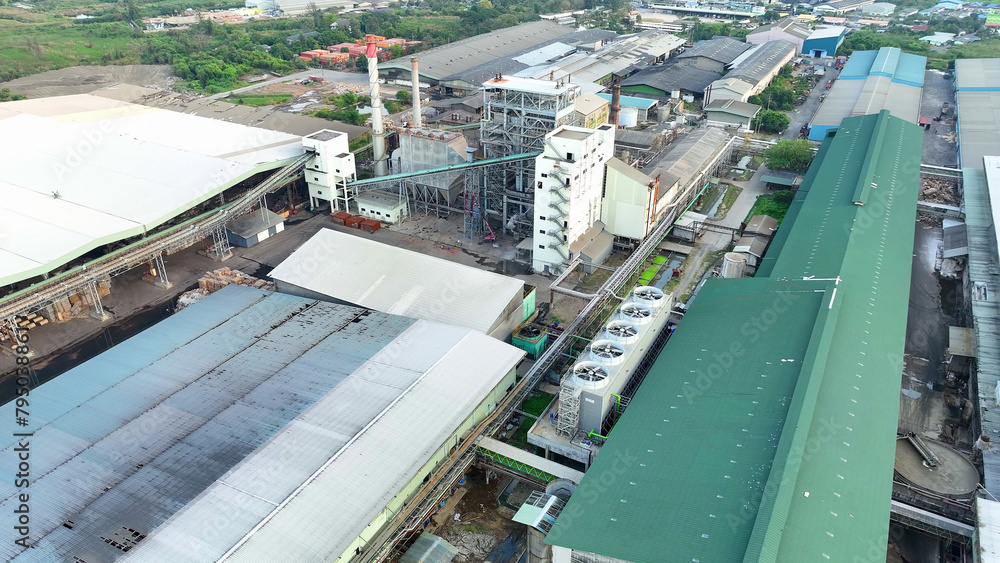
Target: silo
{"points": [[734, 265]]}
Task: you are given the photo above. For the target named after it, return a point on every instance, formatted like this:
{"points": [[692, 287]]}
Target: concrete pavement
{"points": [[804, 113]]}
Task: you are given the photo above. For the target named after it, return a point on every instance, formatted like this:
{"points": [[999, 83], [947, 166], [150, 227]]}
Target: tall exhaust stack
{"points": [[417, 118], [616, 93], [378, 133]]}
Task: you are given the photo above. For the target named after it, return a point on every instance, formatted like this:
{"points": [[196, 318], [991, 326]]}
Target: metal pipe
{"points": [[417, 118], [378, 132]]}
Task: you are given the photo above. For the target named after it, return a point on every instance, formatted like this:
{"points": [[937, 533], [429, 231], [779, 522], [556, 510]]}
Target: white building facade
{"points": [[569, 176]]}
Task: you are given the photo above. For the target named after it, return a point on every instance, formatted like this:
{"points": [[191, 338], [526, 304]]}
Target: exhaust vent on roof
{"points": [[649, 295], [622, 331], [637, 313], [589, 375], [607, 352]]}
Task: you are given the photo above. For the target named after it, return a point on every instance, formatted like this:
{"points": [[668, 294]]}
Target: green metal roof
{"points": [[688, 474]]}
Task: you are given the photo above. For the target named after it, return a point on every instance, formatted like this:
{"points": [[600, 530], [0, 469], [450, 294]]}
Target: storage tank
{"points": [[734, 265]]}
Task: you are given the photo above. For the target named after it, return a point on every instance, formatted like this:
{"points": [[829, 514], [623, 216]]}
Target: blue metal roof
{"points": [[631, 101], [910, 70], [858, 65]]}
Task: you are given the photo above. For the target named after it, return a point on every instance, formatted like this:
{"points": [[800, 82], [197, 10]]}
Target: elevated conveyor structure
{"points": [[212, 224]]}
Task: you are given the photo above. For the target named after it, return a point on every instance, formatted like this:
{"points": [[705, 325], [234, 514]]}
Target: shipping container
{"points": [[340, 217], [371, 225], [354, 222]]}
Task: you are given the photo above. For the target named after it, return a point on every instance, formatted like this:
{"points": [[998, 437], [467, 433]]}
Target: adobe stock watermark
{"points": [[751, 331], [76, 152]]}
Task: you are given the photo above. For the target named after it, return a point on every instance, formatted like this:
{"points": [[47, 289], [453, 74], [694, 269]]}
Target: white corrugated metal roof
{"points": [[394, 280], [244, 406], [988, 530], [67, 160]]}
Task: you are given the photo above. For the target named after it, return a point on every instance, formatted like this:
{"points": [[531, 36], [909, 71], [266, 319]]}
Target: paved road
{"points": [[330, 75], [804, 113]]}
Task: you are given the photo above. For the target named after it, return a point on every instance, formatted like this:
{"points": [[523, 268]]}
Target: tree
{"points": [[404, 96], [793, 156], [771, 121], [316, 14], [7, 96], [485, 5], [361, 62], [396, 51]]}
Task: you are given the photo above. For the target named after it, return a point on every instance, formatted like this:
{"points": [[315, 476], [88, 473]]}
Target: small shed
{"points": [[781, 180], [382, 206], [253, 227]]}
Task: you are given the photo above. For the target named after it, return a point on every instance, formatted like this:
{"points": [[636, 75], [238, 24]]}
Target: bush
{"points": [[404, 96]]}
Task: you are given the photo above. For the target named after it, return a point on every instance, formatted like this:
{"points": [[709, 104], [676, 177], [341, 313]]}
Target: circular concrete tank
{"points": [[734, 265], [954, 476]]}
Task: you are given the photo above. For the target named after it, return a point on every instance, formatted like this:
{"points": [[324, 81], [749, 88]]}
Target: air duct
{"points": [[417, 118], [378, 133]]}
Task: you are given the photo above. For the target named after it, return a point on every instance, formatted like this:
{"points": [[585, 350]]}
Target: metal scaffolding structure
{"points": [[517, 114]]}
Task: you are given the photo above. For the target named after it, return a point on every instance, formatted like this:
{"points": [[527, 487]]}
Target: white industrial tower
{"points": [[569, 175]]}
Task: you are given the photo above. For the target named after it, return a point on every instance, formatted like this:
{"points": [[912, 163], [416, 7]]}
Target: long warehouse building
{"points": [[870, 82], [765, 429], [84, 171], [251, 426], [353, 270]]}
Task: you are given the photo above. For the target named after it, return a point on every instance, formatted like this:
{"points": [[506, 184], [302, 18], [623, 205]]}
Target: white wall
{"points": [[562, 216]]}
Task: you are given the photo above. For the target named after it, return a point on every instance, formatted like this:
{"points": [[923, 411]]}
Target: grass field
{"points": [[535, 406], [29, 48], [773, 205], [260, 99]]}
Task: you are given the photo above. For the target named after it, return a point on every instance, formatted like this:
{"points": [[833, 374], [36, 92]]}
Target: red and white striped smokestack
{"points": [[378, 133], [417, 118]]}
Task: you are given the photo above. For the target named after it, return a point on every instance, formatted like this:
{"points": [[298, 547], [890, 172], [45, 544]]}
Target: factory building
{"points": [[382, 206], [633, 110], [327, 174], [788, 29], [713, 54], [349, 269], [838, 7], [569, 175], [634, 201], [674, 80], [824, 41], [250, 426], [589, 111], [879, 9], [751, 72], [254, 227], [716, 459], [977, 85], [460, 57], [731, 113], [870, 82], [67, 158]]}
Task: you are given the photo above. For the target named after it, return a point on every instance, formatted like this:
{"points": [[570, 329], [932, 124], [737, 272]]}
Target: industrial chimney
{"points": [[616, 93], [378, 133], [417, 118]]}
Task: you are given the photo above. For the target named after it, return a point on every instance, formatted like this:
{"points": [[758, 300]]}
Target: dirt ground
{"points": [[293, 89], [483, 523], [84, 79]]}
